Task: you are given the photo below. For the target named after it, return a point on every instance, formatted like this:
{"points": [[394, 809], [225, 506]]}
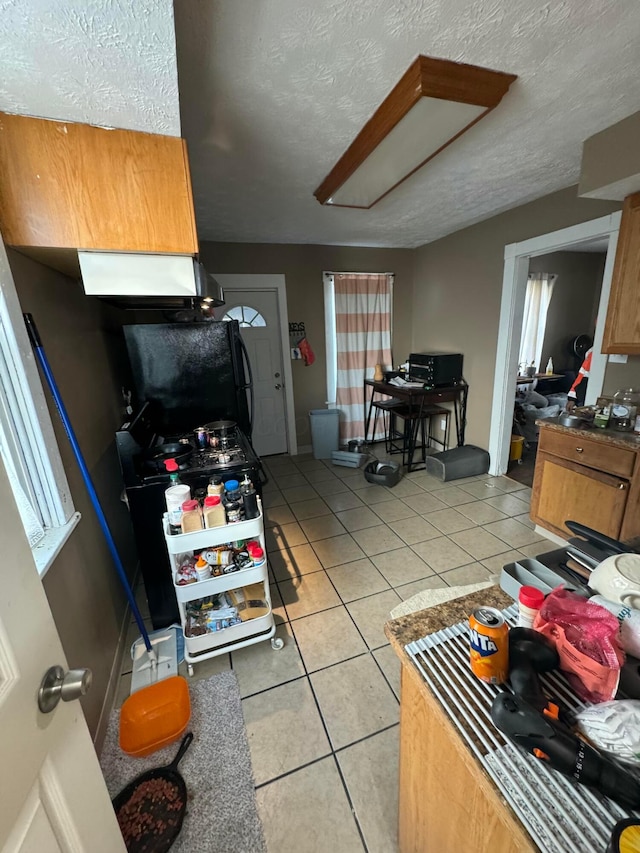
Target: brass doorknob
{"points": [[57, 685]]}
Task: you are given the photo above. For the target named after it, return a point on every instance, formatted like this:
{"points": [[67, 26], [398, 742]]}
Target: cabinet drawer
{"points": [[585, 451]]}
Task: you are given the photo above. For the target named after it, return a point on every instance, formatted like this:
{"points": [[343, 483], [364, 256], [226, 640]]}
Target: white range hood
{"points": [[144, 281], [128, 274]]}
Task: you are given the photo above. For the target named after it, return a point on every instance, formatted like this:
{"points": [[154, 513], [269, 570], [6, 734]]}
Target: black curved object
{"points": [[599, 539], [150, 842]]}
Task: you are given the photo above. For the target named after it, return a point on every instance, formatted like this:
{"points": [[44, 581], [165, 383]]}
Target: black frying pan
{"points": [[156, 456], [150, 810]]}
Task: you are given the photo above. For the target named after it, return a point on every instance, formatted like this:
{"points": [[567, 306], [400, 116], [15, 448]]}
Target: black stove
{"points": [[233, 454], [142, 450]]}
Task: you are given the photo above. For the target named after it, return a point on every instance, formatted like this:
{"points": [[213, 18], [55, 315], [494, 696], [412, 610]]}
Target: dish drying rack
{"points": [[561, 816]]}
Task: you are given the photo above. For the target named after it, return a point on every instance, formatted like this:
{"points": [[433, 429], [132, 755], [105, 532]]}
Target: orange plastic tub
{"points": [[154, 716]]}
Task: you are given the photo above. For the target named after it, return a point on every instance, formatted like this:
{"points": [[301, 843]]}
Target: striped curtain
{"points": [[363, 339]]}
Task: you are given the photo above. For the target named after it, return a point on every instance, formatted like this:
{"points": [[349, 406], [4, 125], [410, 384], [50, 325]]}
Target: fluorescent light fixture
{"points": [[434, 103]]}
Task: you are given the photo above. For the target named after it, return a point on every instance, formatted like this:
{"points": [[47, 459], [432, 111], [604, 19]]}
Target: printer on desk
{"points": [[436, 369]]}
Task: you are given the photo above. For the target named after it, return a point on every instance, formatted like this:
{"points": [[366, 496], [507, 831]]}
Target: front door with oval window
{"points": [[257, 313]]}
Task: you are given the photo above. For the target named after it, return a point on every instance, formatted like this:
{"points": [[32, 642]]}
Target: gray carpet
{"points": [[221, 810]]}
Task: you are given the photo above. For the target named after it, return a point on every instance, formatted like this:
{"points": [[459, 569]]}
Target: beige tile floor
{"points": [[322, 713]]}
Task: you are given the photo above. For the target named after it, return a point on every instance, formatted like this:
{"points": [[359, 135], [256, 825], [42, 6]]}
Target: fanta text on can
{"points": [[489, 642]]}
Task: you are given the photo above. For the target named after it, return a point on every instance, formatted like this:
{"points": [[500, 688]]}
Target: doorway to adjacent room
{"points": [[558, 328], [599, 235]]}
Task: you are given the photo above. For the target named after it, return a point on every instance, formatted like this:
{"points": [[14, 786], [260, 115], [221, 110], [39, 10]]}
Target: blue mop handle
{"points": [[86, 476]]}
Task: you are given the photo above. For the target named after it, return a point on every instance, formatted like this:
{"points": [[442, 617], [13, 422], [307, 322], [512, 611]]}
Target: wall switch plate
{"points": [[618, 359]]}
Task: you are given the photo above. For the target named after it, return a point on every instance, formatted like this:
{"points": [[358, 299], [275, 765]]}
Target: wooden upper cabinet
{"points": [[622, 328], [76, 186]]}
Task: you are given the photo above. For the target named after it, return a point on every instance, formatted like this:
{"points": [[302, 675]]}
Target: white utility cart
{"points": [[247, 633]]}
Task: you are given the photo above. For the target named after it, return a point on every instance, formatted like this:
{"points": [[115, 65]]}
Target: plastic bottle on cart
{"points": [[233, 502], [191, 517], [229, 486], [233, 507], [215, 487], [258, 557], [175, 496], [250, 502], [249, 498], [213, 512]]}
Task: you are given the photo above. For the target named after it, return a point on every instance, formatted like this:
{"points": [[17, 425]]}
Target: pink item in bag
{"points": [[586, 637]]}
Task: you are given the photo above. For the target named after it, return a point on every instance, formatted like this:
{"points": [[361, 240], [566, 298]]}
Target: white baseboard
{"points": [[114, 678], [559, 541]]}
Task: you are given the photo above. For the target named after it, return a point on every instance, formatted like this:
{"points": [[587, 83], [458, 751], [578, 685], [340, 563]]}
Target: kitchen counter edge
{"points": [[626, 440]]}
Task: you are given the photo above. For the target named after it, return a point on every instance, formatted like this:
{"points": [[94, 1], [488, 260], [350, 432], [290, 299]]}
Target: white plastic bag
{"points": [[614, 727]]}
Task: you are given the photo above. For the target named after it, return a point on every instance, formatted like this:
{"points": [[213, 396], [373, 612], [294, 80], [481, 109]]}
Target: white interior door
{"points": [[52, 794], [259, 318]]}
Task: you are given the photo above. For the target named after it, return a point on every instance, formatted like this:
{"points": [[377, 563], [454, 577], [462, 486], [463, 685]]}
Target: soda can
{"points": [[202, 437], [489, 642]]}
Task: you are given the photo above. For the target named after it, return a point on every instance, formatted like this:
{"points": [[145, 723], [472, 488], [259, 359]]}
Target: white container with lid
{"points": [[530, 601], [174, 497]]}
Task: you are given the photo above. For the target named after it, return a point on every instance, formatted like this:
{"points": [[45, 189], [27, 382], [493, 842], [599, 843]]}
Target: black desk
{"points": [[417, 398]]}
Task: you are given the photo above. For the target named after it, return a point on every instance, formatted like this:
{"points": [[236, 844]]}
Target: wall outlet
{"points": [[443, 424]]}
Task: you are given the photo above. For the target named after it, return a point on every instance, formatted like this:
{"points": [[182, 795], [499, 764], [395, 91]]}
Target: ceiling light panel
{"points": [[434, 103]]}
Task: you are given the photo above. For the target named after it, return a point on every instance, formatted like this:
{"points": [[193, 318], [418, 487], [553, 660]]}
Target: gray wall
{"points": [[458, 287], [302, 267], [574, 303], [81, 337]]}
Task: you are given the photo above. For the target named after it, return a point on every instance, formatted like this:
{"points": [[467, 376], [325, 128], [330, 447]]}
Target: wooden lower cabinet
{"points": [[570, 492], [586, 479], [447, 802]]}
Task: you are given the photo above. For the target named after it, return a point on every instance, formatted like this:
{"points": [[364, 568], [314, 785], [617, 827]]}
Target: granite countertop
{"points": [[625, 440], [407, 629]]}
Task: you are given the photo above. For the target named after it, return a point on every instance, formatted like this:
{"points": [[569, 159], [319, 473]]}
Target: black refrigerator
{"points": [[194, 371]]}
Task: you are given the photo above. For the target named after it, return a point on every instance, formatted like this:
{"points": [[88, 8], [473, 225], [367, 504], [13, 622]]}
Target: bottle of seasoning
{"points": [[230, 486], [215, 487], [233, 507], [214, 514], [233, 501], [530, 601], [255, 551], [175, 496], [191, 517]]}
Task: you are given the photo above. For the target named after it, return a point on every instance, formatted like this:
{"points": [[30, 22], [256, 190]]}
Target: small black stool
{"points": [[414, 428]]}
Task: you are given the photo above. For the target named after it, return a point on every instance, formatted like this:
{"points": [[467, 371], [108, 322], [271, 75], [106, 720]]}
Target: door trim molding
{"points": [[277, 282], [516, 269]]}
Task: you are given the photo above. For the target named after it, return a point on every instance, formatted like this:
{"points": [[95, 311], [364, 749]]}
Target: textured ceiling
{"points": [[104, 62], [273, 91]]}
